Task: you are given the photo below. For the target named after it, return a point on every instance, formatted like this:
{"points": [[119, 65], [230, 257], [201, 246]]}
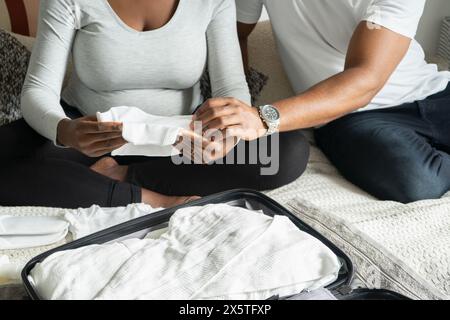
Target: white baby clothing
{"points": [[84, 222], [30, 231], [146, 134], [21, 232], [212, 252]]}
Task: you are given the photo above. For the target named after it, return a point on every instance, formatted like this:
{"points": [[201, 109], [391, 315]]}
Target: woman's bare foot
{"points": [[110, 168], [157, 200]]}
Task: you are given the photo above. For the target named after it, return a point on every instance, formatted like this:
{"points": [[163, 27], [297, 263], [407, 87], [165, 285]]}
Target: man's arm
{"points": [[373, 55]]}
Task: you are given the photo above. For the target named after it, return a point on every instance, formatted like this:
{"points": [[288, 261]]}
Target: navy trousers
{"points": [[400, 153]]}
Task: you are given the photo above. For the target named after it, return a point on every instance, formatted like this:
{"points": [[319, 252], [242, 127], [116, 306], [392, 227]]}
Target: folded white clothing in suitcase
{"points": [[147, 135], [83, 222], [211, 252], [25, 232]]}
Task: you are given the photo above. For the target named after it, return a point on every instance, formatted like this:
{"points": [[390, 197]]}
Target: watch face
{"points": [[271, 114]]}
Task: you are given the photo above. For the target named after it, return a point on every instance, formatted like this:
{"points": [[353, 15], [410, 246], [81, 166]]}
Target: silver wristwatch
{"points": [[271, 117]]}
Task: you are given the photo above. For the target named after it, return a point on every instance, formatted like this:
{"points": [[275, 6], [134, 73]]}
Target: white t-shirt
{"points": [[313, 38]]}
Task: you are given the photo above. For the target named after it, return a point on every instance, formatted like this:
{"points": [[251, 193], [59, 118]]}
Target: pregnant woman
{"points": [[147, 54]]}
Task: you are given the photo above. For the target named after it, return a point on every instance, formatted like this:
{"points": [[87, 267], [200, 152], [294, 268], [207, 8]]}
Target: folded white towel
{"points": [[148, 135], [30, 231], [84, 222], [212, 252]]}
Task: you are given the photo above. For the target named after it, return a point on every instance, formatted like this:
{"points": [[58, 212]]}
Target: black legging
{"points": [[34, 172]]}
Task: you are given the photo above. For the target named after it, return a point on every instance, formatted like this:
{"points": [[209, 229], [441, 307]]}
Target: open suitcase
{"points": [[241, 198]]}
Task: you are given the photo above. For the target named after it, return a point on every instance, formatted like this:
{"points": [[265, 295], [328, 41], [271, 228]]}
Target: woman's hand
{"points": [[89, 136], [231, 116]]}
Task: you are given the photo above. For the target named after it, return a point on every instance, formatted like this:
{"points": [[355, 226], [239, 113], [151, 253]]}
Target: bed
{"points": [[399, 247]]}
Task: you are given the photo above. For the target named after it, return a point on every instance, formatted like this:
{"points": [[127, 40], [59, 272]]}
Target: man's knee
{"points": [[417, 188], [408, 182], [386, 160]]}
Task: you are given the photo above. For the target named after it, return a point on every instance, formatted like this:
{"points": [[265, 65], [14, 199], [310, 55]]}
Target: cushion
{"points": [[14, 58], [27, 41], [256, 82], [19, 16]]}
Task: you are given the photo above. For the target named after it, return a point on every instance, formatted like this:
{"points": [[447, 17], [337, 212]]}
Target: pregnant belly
{"points": [[161, 102]]}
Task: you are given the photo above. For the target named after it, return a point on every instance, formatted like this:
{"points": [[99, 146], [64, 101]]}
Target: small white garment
{"points": [[22, 232], [84, 222], [19, 232], [212, 252], [148, 135]]}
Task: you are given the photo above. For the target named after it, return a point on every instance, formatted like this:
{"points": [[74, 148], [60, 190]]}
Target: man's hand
{"points": [[89, 136], [232, 117], [202, 150]]}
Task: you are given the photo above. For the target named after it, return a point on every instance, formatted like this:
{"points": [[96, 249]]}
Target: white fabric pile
{"points": [[36, 230], [212, 252], [20, 232], [148, 135], [83, 222]]}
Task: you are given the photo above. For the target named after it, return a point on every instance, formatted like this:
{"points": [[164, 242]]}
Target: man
{"points": [[381, 113]]}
